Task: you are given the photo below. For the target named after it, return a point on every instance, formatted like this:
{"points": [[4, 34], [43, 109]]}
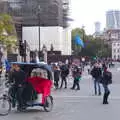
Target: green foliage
{"points": [[81, 33], [7, 31], [93, 46]]}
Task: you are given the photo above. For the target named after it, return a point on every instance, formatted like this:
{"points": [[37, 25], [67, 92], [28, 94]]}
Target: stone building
{"points": [[48, 14]]}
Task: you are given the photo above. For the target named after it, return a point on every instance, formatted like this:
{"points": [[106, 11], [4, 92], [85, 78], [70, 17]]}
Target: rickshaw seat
{"points": [[41, 85]]}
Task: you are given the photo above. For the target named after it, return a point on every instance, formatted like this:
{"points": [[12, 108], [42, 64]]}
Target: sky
{"points": [[87, 12]]}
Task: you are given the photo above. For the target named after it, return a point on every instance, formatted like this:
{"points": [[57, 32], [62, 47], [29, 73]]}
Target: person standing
{"points": [[18, 77], [106, 80], [56, 76]]}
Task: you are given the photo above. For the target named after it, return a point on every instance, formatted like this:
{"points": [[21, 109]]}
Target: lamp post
{"points": [[38, 14], [44, 49], [83, 32]]}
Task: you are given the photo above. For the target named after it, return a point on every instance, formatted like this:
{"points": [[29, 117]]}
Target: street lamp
{"points": [[38, 14], [44, 50], [83, 32]]}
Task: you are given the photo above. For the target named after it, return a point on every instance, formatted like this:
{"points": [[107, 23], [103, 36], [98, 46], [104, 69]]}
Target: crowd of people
{"points": [[61, 73], [97, 69]]}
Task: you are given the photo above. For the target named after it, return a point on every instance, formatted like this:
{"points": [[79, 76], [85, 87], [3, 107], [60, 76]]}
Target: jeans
{"points": [[106, 89], [76, 83], [106, 94], [97, 87], [63, 80], [56, 83], [16, 94]]}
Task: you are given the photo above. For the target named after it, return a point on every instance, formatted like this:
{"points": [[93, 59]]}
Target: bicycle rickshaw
{"points": [[42, 86]]}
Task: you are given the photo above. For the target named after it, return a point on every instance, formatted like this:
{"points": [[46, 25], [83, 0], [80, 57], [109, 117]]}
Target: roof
{"points": [[41, 64]]}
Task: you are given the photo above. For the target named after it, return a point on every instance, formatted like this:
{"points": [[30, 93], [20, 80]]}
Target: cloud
{"points": [[86, 12]]}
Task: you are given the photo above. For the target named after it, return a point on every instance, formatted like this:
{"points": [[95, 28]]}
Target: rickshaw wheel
{"points": [[48, 105], [5, 106]]}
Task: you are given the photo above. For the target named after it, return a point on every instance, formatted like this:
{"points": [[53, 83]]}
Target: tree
{"points": [[7, 32], [81, 33], [93, 46]]}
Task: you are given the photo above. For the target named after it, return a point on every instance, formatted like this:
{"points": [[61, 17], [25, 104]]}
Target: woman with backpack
{"points": [[106, 80]]}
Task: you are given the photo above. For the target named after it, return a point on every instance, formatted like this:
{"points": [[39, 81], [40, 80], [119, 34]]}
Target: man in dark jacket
{"points": [[18, 77], [64, 73], [107, 79], [56, 76], [97, 74]]}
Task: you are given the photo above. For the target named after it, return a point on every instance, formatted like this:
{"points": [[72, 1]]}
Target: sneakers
{"points": [[65, 87], [78, 89], [105, 103]]}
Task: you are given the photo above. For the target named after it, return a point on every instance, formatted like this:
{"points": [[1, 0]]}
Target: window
{"points": [[118, 50], [114, 56], [114, 50], [118, 56]]}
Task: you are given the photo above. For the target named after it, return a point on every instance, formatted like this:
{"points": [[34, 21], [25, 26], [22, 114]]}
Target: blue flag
{"points": [[78, 41], [7, 64]]}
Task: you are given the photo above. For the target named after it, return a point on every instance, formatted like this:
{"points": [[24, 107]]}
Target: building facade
{"points": [[4, 7], [97, 27], [112, 37], [116, 50], [49, 12], [50, 15], [113, 19]]}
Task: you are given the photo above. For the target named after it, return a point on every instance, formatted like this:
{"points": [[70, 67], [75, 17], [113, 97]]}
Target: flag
{"points": [[7, 65], [78, 41]]}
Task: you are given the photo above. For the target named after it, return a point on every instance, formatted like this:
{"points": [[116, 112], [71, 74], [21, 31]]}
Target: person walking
{"points": [[77, 77], [97, 74], [64, 73], [106, 80]]}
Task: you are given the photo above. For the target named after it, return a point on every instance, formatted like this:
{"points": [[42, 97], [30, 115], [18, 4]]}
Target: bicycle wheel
{"points": [[5, 106], [48, 105]]}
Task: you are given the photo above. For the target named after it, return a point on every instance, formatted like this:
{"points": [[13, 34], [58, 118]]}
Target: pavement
{"points": [[77, 105]]}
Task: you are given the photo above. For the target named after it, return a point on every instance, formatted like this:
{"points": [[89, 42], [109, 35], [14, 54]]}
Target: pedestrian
{"points": [[88, 68], [106, 80], [77, 77], [64, 74], [56, 76], [18, 78], [96, 73]]}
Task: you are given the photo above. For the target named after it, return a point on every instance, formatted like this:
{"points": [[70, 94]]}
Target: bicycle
{"points": [[6, 101]]}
